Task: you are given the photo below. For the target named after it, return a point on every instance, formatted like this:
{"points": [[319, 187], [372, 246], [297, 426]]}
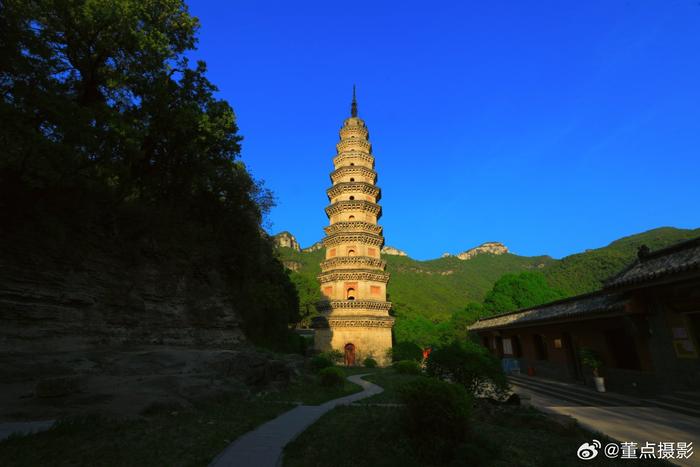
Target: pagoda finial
{"points": [[353, 107]]}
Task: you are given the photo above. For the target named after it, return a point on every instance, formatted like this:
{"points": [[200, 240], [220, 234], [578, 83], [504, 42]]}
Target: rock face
{"points": [[62, 299], [492, 248], [292, 265], [390, 250], [287, 240], [316, 246]]}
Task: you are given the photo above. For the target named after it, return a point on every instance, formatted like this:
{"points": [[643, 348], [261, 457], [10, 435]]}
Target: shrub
{"points": [[369, 362], [591, 359], [407, 367], [406, 351], [335, 355], [331, 377], [437, 416], [470, 365], [319, 362]]}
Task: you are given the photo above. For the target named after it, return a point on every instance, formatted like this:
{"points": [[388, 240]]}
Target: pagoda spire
{"points": [[353, 107], [354, 314]]}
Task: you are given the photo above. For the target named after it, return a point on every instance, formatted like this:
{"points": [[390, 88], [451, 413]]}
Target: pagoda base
{"points": [[372, 342]]}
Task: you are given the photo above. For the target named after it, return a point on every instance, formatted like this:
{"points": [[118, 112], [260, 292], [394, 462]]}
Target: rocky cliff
{"points": [[492, 248], [90, 293], [287, 240], [314, 247], [390, 250]]}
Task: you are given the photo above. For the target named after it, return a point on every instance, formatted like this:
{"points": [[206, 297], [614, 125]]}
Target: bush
{"points": [[437, 416], [369, 362], [406, 351], [470, 365], [331, 377], [407, 367], [335, 356], [319, 362]]}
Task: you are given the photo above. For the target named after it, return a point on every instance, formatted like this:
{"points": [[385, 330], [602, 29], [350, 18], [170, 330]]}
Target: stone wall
{"points": [[91, 295]]}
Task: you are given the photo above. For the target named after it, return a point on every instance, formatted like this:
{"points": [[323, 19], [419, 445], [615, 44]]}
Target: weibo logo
{"points": [[588, 451]]}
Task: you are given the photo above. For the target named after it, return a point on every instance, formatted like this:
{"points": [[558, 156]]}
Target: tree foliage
{"points": [[515, 291], [309, 295], [107, 124], [468, 364]]}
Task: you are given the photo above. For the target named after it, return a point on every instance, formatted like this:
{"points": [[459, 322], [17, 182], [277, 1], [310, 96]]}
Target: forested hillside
{"points": [[427, 294], [585, 272], [117, 156]]}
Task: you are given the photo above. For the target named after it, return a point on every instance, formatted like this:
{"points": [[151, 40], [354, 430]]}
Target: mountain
{"points": [[494, 248], [585, 272], [434, 289], [390, 250]]}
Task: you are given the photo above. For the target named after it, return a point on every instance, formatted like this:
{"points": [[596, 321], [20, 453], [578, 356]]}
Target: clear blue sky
{"points": [[551, 126]]}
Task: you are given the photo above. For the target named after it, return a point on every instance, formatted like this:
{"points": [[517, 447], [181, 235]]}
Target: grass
{"points": [[179, 438], [172, 437], [373, 436], [308, 391], [390, 380]]}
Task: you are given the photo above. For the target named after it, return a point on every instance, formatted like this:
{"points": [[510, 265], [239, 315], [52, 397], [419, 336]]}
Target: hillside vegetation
{"points": [[111, 137], [432, 298]]}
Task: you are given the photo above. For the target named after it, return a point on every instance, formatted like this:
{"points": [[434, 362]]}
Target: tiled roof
{"points": [[659, 264], [598, 302]]}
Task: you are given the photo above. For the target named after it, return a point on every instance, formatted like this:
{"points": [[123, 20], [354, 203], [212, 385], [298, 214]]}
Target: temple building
{"points": [[354, 312], [644, 324]]}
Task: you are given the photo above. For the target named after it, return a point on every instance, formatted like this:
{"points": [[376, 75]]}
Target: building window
{"points": [[351, 252], [540, 347], [507, 346], [351, 217], [352, 179], [351, 294], [352, 198], [352, 163]]}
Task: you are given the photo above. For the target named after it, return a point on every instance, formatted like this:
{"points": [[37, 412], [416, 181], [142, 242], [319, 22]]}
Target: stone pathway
{"points": [[24, 428], [263, 446]]}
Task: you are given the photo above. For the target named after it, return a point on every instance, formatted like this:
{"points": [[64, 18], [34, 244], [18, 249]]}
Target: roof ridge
{"points": [[600, 292]]}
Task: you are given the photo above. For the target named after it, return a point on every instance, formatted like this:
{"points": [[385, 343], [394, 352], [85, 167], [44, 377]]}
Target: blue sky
{"points": [[551, 126]]}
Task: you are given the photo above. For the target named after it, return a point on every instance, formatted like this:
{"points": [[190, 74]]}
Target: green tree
{"points": [[462, 319], [107, 126], [309, 294], [516, 291]]}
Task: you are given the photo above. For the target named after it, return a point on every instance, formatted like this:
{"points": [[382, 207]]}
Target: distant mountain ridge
{"points": [[434, 289], [286, 240]]}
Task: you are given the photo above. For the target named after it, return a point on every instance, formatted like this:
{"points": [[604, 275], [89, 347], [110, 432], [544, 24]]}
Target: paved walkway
{"points": [[263, 446], [627, 423]]}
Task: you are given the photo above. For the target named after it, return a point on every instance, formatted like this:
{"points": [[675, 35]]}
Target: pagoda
{"points": [[354, 314]]}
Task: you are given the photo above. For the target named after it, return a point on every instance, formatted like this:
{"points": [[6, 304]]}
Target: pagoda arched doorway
{"points": [[349, 354]]}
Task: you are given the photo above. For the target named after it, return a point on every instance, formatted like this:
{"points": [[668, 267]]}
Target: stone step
{"points": [[585, 396], [604, 399], [674, 407], [676, 398], [568, 397]]}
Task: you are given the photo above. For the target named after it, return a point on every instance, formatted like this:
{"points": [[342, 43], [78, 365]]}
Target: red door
{"points": [[349, 355]]}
